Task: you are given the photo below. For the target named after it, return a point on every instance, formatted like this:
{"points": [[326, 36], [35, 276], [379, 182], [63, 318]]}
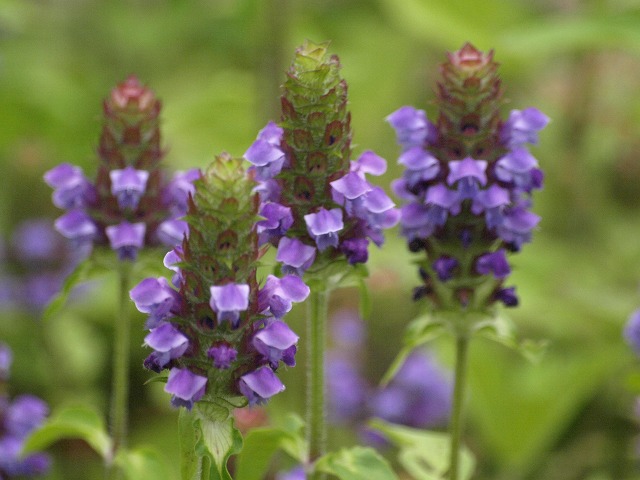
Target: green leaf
{"points": [[261, 444], [420, 331], [356, 463], [218, 438], [90, 268], [72, 422], [424, 454], [189, 460], [502, 330], [141, 464]]}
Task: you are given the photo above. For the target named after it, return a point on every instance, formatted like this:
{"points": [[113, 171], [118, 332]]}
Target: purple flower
{"points": [[126, 239], [265, 153], [469, 173], [185, 386], [418, 396], [632, 331], [260, 385], [420, 165], [6, 357], [71, 187], [155, 297], [444, 267], [356, 250], [276, 342], [519, 168], [416, 221], [277, 220], [277, 295], [523, 127], [228, 301], [76, 226], [507, 296], [128, 186], [24, 414], [168, 342], [323, 226], [412, 127], [369, 162], [295, 256], [348, 190], [493, 263], [35, 241], [170, 261], [172, 232], [347, 390], [223, 355], [13, 464], [296, 473], [176, 193], [378, 209], [516, 226]]}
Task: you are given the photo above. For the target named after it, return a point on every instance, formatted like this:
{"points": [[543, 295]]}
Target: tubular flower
{"points": [[219, 333], [314, 196], [467, 184], [130, 204], [18, 418]]}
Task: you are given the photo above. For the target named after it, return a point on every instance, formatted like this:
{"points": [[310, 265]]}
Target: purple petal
{"points": [[493, 263], [155, 297], [24, 414], [444, 267], [172, 232], [177, 191], [492, 197], [185, 385], [507, 296], [351, 186], [441, 196], [632, 331], [523, 126], [126, 238], [165, 337], [277, 220], [223, 355], [295, 256], [412, 127], [229, 300], [273, 341], [128, 185], [76, 225], [459, 169], [6, 358], [323, 227], [260, 385], [369, 162]]}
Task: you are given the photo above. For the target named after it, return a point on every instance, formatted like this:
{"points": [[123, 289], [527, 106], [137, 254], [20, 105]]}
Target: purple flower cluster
{"points": [[499, 192], [468, 179], [265, 342], [631, 332], [224, 335], [18, 418], [419, 395], [360, 212], [34, 263], [130, 204]]}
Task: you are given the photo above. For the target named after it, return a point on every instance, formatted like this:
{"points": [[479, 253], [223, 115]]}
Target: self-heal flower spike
{"points": [[467, 185], [130, 187], [216, 330], [313, 193]]}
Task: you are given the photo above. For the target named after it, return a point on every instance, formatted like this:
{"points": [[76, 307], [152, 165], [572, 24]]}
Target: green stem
{"points": [[462, 348], [316, 333], [120, 391]]}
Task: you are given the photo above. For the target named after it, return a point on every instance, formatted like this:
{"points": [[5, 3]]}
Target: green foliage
{"points": [[142, 464], [261, 444], [216, 440], [69, 423], [356, 463], [424, 454]]}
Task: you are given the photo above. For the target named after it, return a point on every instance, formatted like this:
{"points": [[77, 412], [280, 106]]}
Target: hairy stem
{"points": [[316, 333], [120, 391], [462, 348]]}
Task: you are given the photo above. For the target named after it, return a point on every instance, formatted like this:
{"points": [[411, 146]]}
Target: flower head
{"points": [[129, 188], [468, 185], [219, 332]]}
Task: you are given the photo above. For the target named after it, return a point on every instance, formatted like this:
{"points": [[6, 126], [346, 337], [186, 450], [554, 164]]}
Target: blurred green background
{"points": [[217, 65]]}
